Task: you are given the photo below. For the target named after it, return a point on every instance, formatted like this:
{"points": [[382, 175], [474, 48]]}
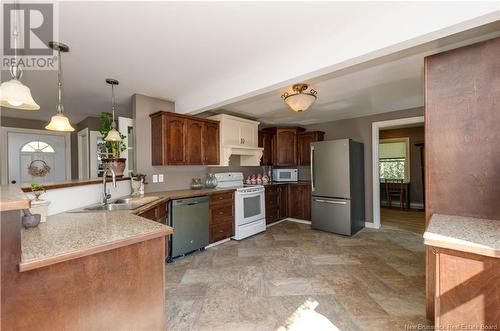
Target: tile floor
{"points": [[372, 281]]}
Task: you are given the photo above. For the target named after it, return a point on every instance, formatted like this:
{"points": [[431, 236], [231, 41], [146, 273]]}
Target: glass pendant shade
{"points": [[16, 95], [59, 122], [300, 102], [113, 135]]}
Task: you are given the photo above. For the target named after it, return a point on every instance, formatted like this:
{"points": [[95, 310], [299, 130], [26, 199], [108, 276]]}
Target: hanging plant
{"points": [[113, 147]]}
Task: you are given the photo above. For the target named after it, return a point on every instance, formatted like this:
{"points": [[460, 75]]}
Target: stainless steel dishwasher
{"points": [[189, 218]]}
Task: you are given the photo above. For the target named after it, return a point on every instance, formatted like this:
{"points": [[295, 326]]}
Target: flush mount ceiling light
{"points": [[300, 100], [113, 134], [13, 94], [59, 122]]}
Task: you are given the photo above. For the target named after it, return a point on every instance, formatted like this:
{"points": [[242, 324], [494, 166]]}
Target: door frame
{"points": [[376, 126], [4, 146], [85, 134]]}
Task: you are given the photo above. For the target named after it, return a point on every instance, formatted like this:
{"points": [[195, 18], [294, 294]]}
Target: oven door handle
{"points": [[246, 194]]}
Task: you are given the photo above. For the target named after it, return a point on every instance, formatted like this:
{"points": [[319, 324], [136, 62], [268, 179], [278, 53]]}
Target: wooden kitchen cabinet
{"points": [[211, 143], [276, 196], [266, 142], [304, 140], [157, 213], [221, 216], [466, 288], [299, 201], [183, 140]]}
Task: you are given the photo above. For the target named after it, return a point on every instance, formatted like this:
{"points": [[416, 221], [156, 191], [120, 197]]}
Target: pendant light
{"points": [[113, 134], [59, 122], [14, 94], [300, 100]]}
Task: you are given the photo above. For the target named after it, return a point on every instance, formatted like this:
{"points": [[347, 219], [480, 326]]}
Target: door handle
{"points": [[312, 167], [332, 201]]}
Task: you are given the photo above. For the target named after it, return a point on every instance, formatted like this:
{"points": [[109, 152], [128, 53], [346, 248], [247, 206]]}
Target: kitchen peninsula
{"points": [[100, 270]]}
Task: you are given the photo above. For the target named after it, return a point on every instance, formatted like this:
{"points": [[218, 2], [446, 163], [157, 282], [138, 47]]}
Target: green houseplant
{"points": [[115, 148]]}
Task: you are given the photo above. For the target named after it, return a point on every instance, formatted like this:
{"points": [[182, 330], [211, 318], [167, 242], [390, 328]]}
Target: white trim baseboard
{"points": [[296, 220], [372, 225]]}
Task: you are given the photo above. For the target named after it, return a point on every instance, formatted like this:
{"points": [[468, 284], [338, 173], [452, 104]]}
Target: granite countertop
{"points": [[67, 236], [467, 234], [12, 198]]}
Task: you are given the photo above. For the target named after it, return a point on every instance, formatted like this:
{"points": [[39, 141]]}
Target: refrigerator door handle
{"points": [[312, 167], [331, 201]]}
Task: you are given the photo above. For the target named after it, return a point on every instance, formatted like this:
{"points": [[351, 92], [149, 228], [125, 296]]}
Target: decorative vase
{"points": [[118, 165], [136, 186], [210, 181], [196, 183]]}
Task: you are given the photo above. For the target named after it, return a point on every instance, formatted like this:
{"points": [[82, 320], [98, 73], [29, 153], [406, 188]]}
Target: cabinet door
{"points": [[283, 201], [286, 147], [248, 134], [176, 140], [304, 141], [295, 201], [266, 142], [230, 132], [211, 143], [306, 200], [303, 148], [158, 140], [194, 142]]}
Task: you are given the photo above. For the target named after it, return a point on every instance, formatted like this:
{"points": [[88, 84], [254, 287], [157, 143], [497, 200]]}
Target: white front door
{"points": [[46, 153]]}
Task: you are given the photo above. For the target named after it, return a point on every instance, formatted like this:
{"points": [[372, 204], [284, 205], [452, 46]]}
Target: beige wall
{"points": [[415, 135], [360, 129], [175, 177]]}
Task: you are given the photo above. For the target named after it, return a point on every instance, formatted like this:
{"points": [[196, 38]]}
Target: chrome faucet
{"points": [[107, 196]]}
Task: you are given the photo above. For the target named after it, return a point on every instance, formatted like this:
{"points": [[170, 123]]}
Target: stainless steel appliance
{"points": [[249, 205], [337, 180], [189, 218], [285, 175]]}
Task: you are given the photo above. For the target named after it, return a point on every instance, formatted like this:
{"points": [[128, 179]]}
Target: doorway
{"points": [[35, 156], [395, 162]]}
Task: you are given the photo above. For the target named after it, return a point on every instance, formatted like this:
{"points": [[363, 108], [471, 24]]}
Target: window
{"points": [[394, 159], [37, 146]]}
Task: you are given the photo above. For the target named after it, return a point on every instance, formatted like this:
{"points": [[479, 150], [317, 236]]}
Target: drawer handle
{"points": [[221, 231], [220, 213]]}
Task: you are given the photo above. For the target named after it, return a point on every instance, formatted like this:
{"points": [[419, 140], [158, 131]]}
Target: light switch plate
{"points": [[160, 178], [155, 178]]}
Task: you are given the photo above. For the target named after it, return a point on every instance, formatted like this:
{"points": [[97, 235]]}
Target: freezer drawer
{"points": [[332, 215]]}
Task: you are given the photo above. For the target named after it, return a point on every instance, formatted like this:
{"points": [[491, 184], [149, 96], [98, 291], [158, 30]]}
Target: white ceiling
{"points": [[206, 55]]}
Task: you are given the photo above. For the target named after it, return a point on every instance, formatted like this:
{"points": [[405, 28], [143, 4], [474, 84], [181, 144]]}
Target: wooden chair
{"points": [[395, 187]]}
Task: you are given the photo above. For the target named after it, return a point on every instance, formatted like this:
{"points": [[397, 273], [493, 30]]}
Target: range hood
{"points": [[238, 136]]}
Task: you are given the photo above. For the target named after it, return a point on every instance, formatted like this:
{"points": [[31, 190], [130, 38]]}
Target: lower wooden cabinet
{"points": [[288, 200], [467, 290], [221, 218], [299, 200], [157, 213]]}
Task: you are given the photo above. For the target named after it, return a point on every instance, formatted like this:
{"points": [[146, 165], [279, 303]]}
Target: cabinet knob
{"points": [[221, 231]]}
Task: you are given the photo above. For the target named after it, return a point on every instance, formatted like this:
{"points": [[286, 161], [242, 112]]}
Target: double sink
{"points": [[127, 203]]}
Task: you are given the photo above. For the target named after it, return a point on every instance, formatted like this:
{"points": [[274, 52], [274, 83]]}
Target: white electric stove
{"points": [[250, 208]]}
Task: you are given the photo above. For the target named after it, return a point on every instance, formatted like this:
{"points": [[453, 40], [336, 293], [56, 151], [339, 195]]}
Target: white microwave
{"points": [[285, 175]]}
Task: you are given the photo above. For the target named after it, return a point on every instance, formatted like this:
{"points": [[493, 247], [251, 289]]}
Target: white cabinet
{"points": [[238, 136], [236, 131]]}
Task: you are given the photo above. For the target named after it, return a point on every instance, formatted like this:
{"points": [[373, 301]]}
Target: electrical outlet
{"points": [[155, 178], [160, 178]]}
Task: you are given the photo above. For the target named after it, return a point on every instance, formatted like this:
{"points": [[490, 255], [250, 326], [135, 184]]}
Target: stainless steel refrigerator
{"points": [[337, 180]]}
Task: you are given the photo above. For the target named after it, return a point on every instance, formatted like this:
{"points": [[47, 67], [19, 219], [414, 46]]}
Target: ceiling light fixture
{"points": [[14, 94], [59, 122], [113, 134], [300, 100]]}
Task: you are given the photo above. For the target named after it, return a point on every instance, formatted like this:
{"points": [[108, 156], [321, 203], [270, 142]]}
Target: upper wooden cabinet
{"points": [[287, 146], [266, 142], [183, 140], [304, 140]]}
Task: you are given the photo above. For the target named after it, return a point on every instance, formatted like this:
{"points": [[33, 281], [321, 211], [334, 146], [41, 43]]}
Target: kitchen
{"points": [[218, 188]]}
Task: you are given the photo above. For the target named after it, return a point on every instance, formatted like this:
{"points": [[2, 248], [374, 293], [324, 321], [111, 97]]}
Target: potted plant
{"points": [[115, 148], [37, 190]]}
